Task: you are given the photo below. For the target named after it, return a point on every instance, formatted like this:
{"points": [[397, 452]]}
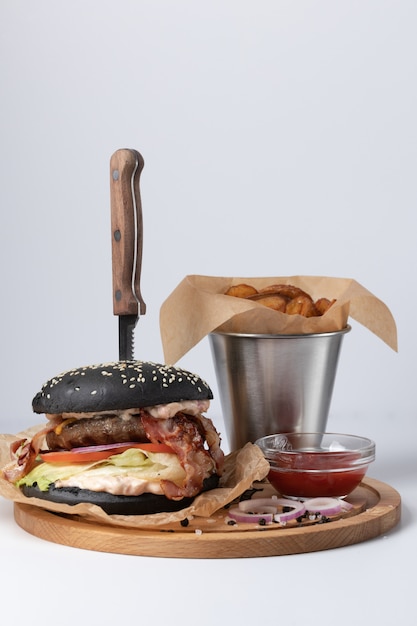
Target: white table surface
{"points": [[297, 118], [370, 582]]}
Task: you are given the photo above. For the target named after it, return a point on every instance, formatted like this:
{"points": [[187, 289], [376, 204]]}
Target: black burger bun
{"points": [[145, 504], [118, 385]]}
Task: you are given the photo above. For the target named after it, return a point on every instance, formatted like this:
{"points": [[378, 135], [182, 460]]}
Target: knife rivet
{"points": [[117, 235], [115, 174], [118, 295]]}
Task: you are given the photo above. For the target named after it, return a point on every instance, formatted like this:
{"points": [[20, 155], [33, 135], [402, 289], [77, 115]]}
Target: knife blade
{"points": [[127, 242]]}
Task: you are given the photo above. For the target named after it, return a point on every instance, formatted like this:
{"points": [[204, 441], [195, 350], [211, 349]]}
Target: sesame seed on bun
{"points": [[118, 385]]}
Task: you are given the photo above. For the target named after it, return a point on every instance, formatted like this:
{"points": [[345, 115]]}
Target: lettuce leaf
{"points": [[132, 463]]}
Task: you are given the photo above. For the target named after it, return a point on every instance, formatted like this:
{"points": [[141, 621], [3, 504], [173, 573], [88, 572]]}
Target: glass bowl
{"points": [[310, 465]]}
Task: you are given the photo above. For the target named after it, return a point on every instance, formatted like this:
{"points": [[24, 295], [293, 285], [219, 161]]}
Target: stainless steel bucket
{"points": [[274, 383]]}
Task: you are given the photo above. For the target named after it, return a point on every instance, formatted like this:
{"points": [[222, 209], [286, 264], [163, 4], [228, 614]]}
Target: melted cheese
{"points": [[60, 426]]}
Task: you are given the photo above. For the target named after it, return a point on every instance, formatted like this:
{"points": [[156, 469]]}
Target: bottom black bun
{"points": [[145, 504]]}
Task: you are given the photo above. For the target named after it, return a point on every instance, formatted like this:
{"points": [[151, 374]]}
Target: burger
{"points": [[128, 436]]}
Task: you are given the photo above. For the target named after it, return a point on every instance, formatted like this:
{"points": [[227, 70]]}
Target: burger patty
{"points": [[97, 431]]}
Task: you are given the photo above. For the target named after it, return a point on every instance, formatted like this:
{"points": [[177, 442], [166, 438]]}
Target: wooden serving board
{"points": [[376, 509]]}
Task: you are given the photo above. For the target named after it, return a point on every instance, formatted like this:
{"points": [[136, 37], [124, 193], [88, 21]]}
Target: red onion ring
{"points": [[324, 506], [250, 505], [298, 509], [265, 515], [267, 509], [346, 506], [104, 446]]}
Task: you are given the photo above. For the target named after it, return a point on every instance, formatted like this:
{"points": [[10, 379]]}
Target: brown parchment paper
{"points": [[198, 306], [242, 468]]}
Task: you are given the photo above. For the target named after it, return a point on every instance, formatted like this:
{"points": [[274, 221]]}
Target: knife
{"points": [[127, 240]]}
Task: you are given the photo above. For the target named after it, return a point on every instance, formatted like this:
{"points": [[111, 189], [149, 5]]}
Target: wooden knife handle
{"points": [[127, 232]]}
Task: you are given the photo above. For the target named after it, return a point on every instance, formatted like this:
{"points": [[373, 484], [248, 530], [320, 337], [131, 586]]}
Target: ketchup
{"points": [[312, 475]]}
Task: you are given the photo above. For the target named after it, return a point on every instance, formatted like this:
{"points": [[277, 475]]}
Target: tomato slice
{"points": [[90, 454]]}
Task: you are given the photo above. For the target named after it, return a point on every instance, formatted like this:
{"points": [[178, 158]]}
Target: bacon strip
{"points": [[184, 436], [23, 453], [213, 441]]}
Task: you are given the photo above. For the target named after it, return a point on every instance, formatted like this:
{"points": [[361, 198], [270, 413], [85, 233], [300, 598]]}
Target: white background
{"points": [[279, 138]]}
